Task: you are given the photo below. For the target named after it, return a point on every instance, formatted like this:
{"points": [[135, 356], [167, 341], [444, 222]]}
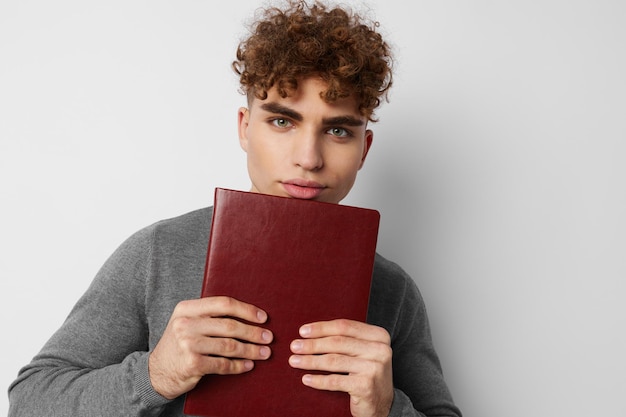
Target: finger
{"points": [[363, 399], [368, 395], [333, 363], [349, 346], [344, 327], [224, 366], [231, 348], [222, 306], [332, 382], [232, 328]]}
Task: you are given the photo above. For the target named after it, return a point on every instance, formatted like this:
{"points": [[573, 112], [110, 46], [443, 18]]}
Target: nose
{"points": [[307, 152]]}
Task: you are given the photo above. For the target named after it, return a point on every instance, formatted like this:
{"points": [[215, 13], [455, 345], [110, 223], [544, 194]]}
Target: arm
{"points": [[397, 305], [99, 361]]}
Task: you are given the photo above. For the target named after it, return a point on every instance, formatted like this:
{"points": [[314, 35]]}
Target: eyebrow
{"points": [[292, 114]]}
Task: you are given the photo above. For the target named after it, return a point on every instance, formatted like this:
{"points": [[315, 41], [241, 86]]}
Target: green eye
{"points": [[281, 122], [338, 131]]}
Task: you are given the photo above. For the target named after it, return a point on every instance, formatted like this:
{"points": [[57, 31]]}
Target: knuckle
{"points": [[228, 347], [185, 344], [182, 306], [339, 341], [193, 362], [230, 326], [334, 383], [225, 303], [222, 366], [384, 336], [335, 361], [384, 353], [343, 325], [180, 324]]}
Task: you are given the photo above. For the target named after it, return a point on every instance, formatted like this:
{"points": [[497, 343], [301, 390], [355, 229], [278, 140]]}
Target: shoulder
{"points": [[174, 230], [390, 279], [385, 266], [178, 235], [169, 250], [188, 224]]}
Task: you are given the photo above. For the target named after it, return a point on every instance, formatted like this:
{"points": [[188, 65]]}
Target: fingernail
{"points": [[265, 352], [306, 379], [266, 336], [295, 360], [296, 345], [261, 315], [248, 365], [305, 330]]}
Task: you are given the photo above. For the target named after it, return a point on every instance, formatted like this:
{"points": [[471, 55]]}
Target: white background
{"points": [[498, 167]]}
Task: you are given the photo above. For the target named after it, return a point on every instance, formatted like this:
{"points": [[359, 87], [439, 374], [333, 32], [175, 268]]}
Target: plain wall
{"points": [[498, 168]]}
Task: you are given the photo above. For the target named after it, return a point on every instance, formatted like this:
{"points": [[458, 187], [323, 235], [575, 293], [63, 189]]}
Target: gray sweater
{"points": [[96, 364]]}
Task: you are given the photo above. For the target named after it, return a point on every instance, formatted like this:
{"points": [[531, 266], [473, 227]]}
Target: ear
{"points": [[243, 118], [369, 138]]}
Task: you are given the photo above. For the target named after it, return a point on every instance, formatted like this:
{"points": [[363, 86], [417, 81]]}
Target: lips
{"points": [[304, 189]]}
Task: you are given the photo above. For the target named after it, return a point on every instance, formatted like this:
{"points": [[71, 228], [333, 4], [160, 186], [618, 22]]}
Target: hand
{"points": [[358, 357], [204, 337]]}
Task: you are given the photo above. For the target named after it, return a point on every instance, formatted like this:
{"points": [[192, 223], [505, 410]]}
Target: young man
{"points": [[140, 337]]}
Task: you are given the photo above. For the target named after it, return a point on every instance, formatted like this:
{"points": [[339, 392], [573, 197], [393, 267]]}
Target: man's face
{"points": [[302, 147]]}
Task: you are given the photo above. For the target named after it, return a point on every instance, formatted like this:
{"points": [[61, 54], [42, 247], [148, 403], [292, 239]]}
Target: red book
{"points": [[301, 261]]}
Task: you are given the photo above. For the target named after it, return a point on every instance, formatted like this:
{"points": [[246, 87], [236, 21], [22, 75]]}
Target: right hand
{"points": [[204, 337]]}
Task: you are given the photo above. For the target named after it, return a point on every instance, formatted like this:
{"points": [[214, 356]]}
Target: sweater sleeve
{"points": [[97, 362], [397, 305]]}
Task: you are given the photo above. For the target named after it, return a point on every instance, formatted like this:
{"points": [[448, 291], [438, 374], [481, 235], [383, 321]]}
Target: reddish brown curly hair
{"points": [[339, 46]]}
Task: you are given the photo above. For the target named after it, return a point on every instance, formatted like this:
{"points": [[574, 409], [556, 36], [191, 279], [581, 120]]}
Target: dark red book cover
{"points": [[301, 261]]}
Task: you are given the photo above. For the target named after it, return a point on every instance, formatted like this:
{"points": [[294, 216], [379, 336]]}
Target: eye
{"points": [[282, 123], [338, 131]]}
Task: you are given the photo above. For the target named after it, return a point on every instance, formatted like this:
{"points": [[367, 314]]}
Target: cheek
{"points": [[345, 169], [262, 153], [349, 161]]}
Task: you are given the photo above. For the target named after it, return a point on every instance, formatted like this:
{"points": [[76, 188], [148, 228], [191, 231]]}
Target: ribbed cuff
{"points": [[143, 387], [402, 406]]}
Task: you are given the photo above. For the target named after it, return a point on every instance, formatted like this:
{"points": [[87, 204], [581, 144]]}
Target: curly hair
{"points": [[301, 40]]}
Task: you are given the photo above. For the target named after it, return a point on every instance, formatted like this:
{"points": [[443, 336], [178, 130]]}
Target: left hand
{"points": [[358, 357]]}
